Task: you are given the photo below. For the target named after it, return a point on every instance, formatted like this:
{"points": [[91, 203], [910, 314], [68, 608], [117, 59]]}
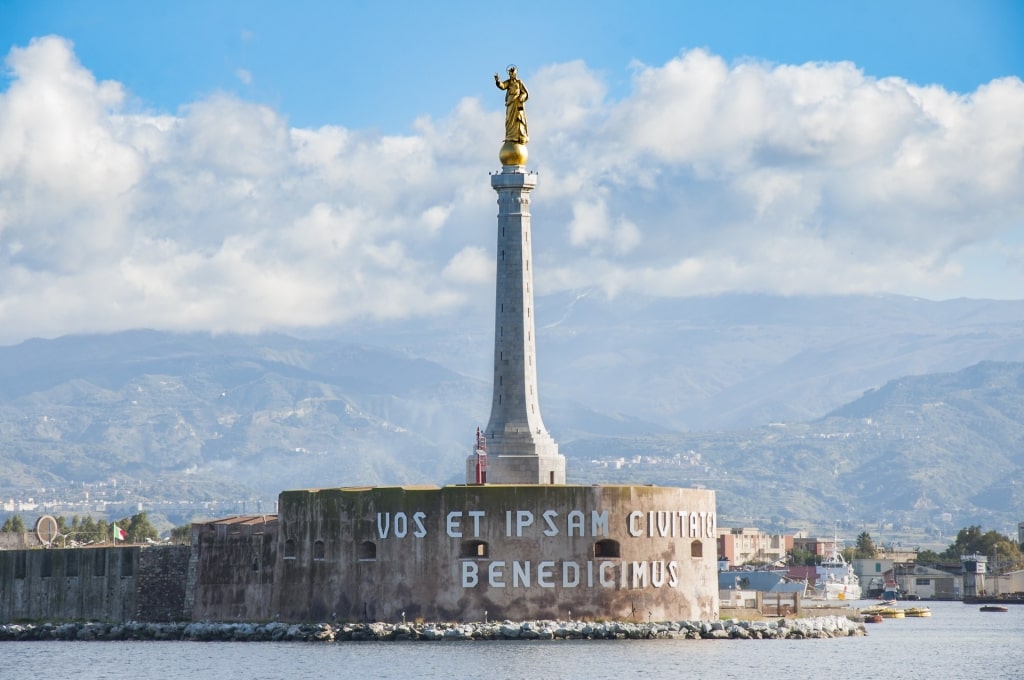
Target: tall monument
{"points": [[519, 450]]}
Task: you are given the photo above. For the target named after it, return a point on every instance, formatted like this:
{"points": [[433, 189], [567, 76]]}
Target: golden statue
{"points": [[513, 152]]}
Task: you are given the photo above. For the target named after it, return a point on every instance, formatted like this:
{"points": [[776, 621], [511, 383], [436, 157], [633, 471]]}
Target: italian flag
{"points": [[119, 534]]}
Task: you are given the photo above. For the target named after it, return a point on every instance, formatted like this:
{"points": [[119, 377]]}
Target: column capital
{"points": [[513, 180]]}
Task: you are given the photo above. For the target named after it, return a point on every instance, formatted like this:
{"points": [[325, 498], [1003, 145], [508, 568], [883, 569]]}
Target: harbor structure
{"points": [[514, 542]]}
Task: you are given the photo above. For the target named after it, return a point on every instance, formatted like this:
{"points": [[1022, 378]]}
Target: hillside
{"points": [[936, 451], [858, 408], [725, 362]]}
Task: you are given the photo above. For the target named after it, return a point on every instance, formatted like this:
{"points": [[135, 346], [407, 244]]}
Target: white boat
{"points": [[836, 580]]}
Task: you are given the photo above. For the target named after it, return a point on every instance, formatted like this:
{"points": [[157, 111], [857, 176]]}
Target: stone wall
{"points": [[496, 551], [233, 569], [143, 583], [458, 553], [160, 584], [74, 583]]}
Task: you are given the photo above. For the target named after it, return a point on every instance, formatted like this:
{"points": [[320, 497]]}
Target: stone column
{"points": [[519, 448]]}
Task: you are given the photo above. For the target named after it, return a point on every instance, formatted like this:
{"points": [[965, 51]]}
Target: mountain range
{"points": [[861, 408]]}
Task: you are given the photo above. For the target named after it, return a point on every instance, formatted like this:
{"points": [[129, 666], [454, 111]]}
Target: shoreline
{"points": [[203, 631]]}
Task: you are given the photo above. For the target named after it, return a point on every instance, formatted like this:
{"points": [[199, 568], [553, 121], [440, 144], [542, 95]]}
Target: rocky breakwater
{"points": [[732, 629]]}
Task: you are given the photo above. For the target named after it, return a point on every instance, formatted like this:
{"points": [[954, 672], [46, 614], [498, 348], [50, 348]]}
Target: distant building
{"points": [[928, 583], [873, 573], [745, 545], [819, 547]]}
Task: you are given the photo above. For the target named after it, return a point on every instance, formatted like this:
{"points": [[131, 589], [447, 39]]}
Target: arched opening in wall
{"points": [[606, 548], [367, 551], [289, 549], [471, 550], [696, 549], [318, 550]]}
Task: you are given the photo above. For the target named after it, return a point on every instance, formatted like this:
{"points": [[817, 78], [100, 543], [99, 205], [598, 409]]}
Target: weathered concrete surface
{"points": [[92, 583], [463, 553], [232, 574]]}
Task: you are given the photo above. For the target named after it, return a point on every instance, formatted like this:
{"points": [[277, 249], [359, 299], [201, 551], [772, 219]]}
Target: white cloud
{"points": [[470, 265], [707, 177], [592, 228]]}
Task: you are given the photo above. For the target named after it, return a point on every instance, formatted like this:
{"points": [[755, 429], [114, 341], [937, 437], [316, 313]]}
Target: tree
{"points": [[14, 525], [801, 557], [138, 528], [865, 546], [992, 544], [968, 542], [182, 534]]}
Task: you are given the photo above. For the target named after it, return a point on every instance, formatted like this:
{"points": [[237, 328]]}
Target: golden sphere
{"points": [[513, 154]]}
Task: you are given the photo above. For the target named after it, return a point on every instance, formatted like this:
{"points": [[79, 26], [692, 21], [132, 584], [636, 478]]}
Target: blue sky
{"points": [[255, 165], [366, 64]]}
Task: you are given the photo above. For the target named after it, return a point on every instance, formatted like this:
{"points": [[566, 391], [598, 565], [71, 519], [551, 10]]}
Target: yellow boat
{"points": [[919, 612], [893, 613]]}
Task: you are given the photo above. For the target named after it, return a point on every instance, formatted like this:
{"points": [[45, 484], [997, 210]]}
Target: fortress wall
{"points": [[160, 584], [233, 569], [497, 551], [76, 583]]}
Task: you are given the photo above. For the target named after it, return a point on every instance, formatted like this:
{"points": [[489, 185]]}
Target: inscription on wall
{"points": [[520, 523], [604, 573]]}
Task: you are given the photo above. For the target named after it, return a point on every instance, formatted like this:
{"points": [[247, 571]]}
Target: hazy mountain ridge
{"points": [[908, 452], [203, 415], [255, 411]]}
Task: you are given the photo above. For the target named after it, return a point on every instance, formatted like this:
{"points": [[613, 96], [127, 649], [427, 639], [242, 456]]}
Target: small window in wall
{"points": [[878, 567], [696, 549], [318, 550], [923, 581], [367, 550], [289, 549], [471, 550], [606, 548], [255, 564]]}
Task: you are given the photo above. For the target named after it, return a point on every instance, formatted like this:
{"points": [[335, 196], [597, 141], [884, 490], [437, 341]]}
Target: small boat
{"points": [[919, 612], [994, 608], [872, 618]]}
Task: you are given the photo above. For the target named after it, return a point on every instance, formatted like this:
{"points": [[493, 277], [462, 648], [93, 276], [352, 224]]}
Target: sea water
{"points": [[957, 641]]}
